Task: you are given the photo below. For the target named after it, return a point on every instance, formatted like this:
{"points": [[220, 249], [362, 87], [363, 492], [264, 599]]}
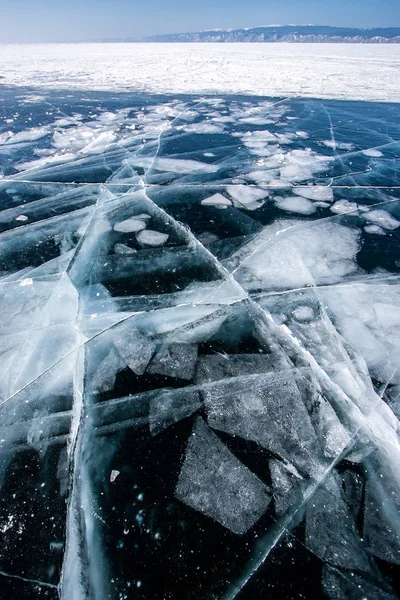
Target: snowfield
{"points": [[337, 71]]}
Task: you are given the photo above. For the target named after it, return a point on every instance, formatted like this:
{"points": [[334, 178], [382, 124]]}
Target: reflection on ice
{"points": [[200, 343]]}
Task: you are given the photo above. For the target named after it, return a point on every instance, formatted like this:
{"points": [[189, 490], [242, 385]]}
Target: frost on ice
{"points": [[200, 348]]}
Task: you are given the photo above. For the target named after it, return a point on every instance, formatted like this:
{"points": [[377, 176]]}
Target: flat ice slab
{"points": [[341, 71]]}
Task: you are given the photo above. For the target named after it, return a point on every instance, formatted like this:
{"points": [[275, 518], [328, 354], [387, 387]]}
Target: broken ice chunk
{"points": [[296, 204], [114, 475], [330, 529], [171, 407], [221, 366], [352, 586], [217, 200], [341, 207], [214, 482], [100, 142], [133, 347], [353, 488], [152, 238], [372, 152], [375, 229], [286, 485], [175, 360], [315, 192], [382, 218], [130, 225], [381, 512], [123, 249], [266, 409], [246, 197], [104, 377]]}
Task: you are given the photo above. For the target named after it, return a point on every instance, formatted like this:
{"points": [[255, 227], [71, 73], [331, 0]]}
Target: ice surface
{"points": [[194, 398]]}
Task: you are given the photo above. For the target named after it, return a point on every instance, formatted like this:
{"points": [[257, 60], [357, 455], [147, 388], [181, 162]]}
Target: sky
{"points": [[77, 20]]}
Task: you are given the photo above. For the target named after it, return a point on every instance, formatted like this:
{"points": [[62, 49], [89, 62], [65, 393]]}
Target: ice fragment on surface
{"points": [[353, 488], [382, 218], [374, 229], [296, 257], [382, 510], [176, 360], [373, 152], [267, 410], [286, 486], [315, 192], [342, 207], [296, 204], [104, 377], [148, 237], [217, 200], [367, 316], [214, 482], [123, 249], [100, 143], [114, 475], [176, 165], [130, 225], [338, 145], [246, 197], [30, 135], [134, 348], [216, 366]]}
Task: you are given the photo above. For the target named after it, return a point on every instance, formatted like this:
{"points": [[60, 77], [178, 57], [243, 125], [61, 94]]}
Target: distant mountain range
{"points": [[280, 33]]}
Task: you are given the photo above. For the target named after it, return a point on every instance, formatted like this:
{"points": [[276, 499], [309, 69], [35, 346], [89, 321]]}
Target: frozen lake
{"points": [[199, 326]]}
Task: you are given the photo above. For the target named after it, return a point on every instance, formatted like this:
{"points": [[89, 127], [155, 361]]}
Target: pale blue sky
{"points": [[75, 20]]}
